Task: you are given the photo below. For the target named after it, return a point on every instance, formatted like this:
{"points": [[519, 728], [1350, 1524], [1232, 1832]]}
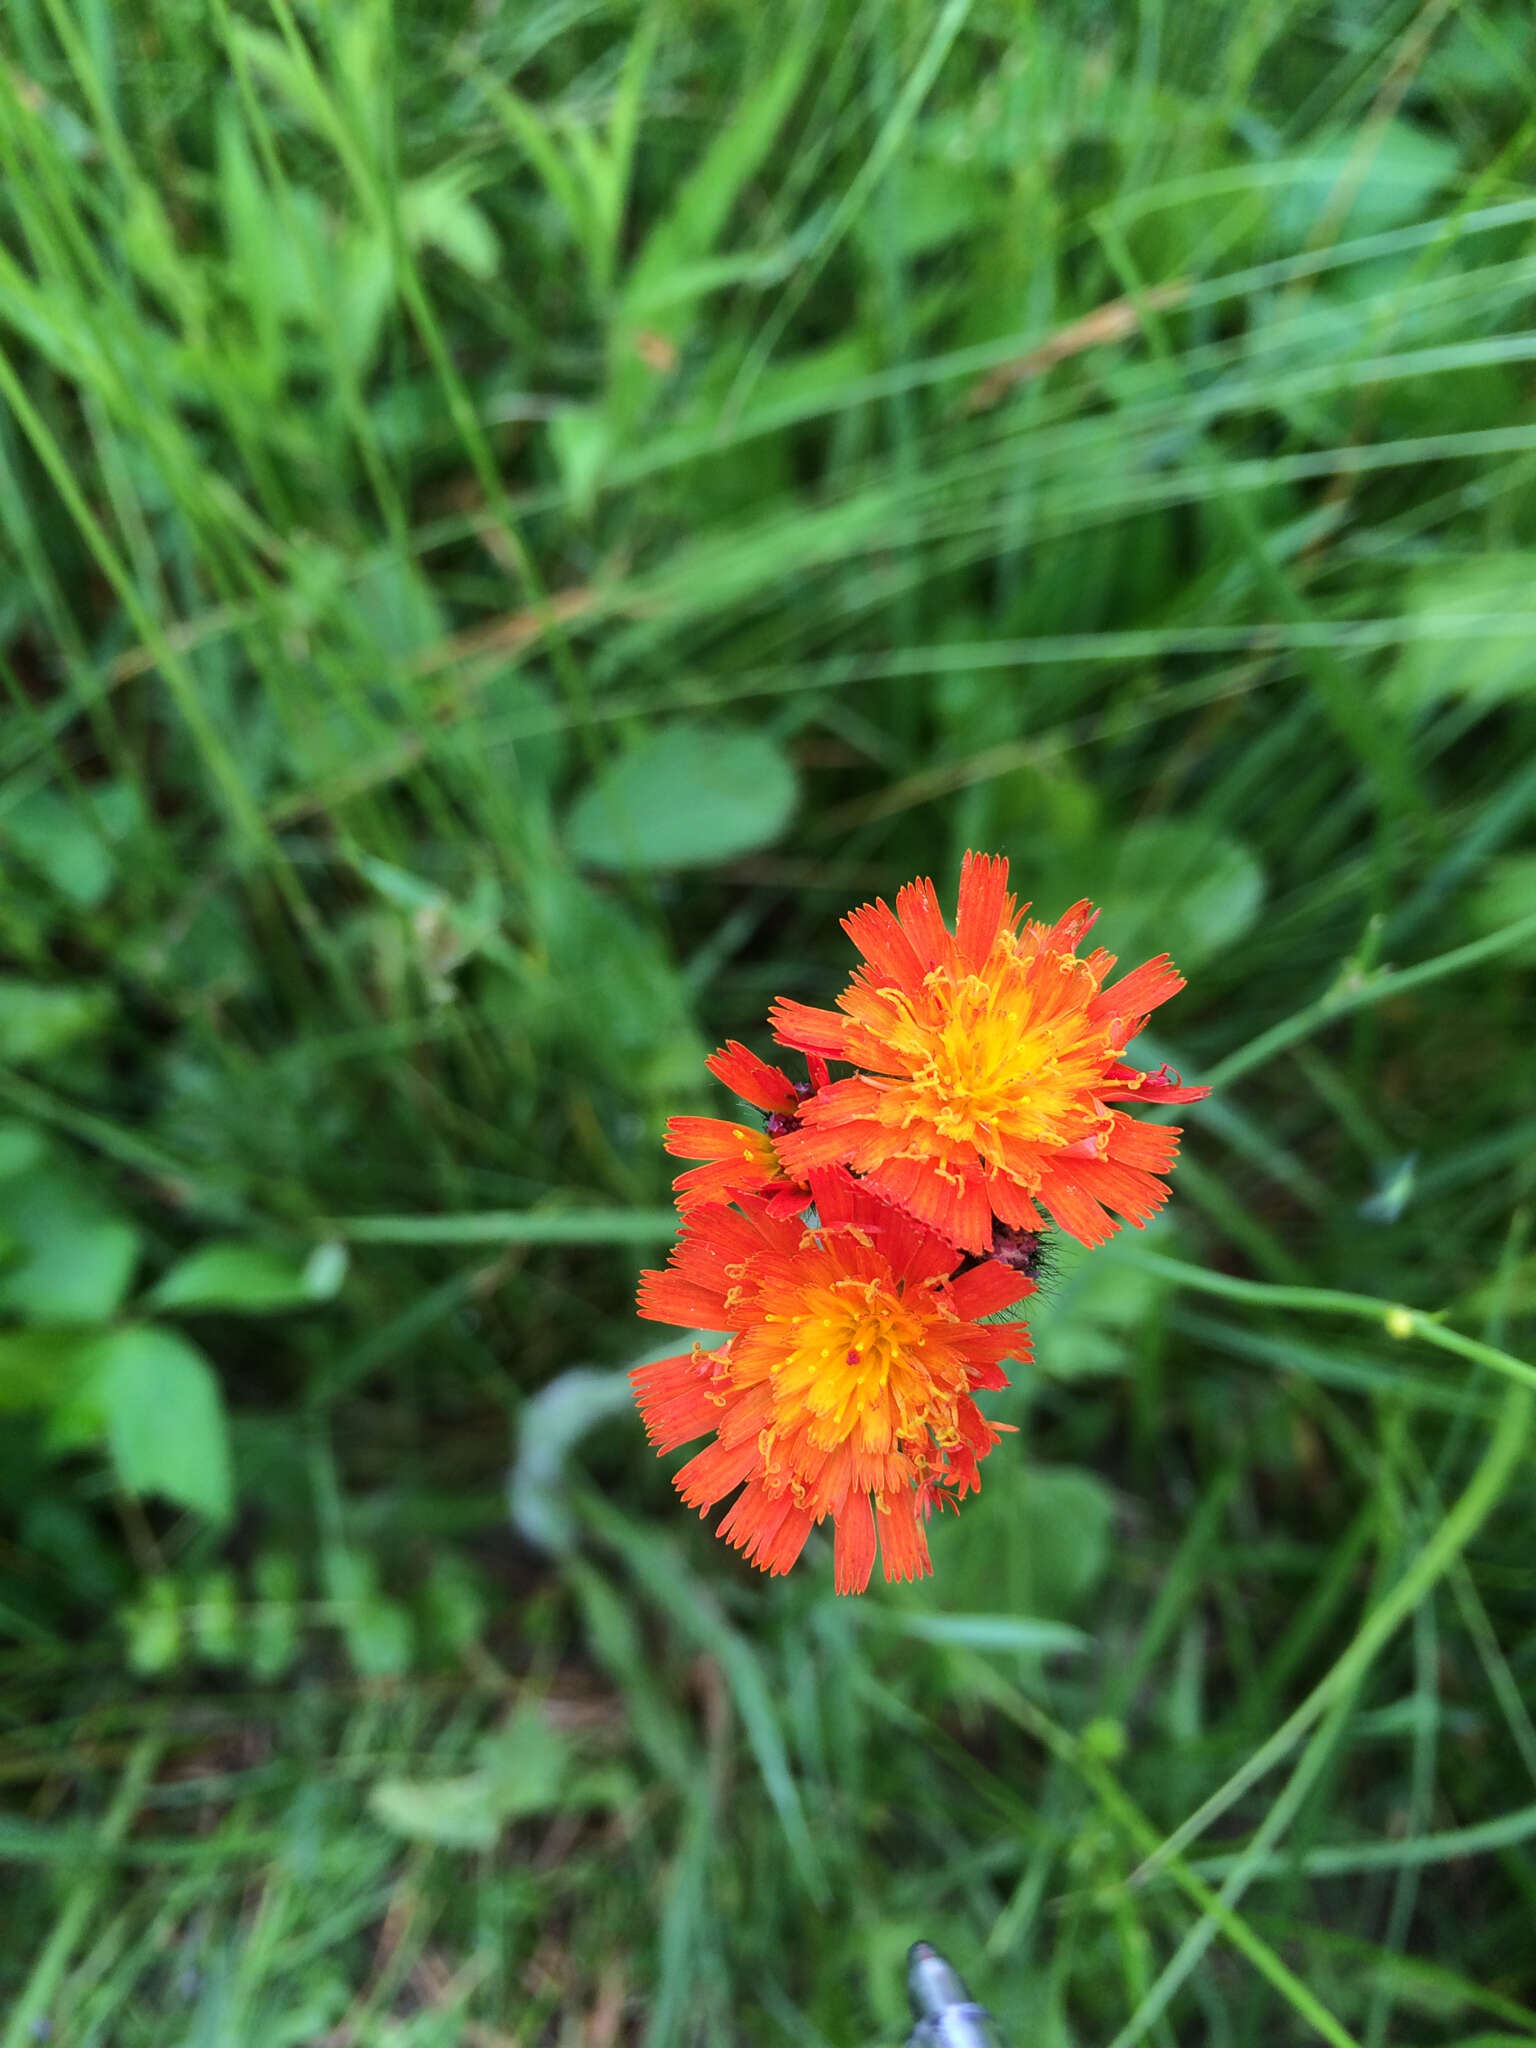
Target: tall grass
{"points": [[1098, 433]]}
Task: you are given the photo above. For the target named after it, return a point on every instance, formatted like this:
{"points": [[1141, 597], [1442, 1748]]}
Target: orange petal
{"points": [[766, 1088], [1126, 1188], [807, 1029], [712, 1474], [878, 935], [1138, 993], [984, 905], [671, 1298], [923, 922], [768, 1529], [673, 1397], [1074, 1209], [954, 1205], [1071, 925], [853, 1553], [903, 1542], [1152, 1147], [986, 1289]]}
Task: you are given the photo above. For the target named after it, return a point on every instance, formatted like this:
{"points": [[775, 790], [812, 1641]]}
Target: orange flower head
{"points": [[845, 1384], [741, 1158], [988, 1059]]}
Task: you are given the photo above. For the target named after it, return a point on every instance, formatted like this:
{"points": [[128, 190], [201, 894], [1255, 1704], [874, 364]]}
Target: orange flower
{"points": [[739, 1158], [844, 1387], [989, 1058]]}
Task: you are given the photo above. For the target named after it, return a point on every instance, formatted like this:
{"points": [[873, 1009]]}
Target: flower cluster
{"points": [[851, 1242]]}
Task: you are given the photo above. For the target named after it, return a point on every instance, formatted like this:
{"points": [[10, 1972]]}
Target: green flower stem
{"points": [[1371, 988], [1395, 1318], [511, 1226]]}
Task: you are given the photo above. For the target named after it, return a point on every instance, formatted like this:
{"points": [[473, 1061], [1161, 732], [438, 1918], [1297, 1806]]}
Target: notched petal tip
{"points": [[766, 1087]]}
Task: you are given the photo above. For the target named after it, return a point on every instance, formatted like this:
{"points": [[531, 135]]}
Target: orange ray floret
{"points": [[845, 1386], [988, 1059], [740, 1158]]}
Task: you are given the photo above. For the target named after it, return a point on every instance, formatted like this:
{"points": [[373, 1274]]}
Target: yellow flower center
{"points": [[1007, 1053], [861, 1368]]}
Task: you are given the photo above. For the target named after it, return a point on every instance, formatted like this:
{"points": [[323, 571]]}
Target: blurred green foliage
{"points": [[512, 519]]}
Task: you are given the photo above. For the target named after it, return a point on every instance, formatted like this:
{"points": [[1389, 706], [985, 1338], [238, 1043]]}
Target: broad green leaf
{"points": [[214, 1616], [380, 1638], [1033, 1545], [1093, 1311], [453, 1813], [22, 1147], [153, 1625], [686, 796], [1068, 1520], [378, 1632], [603, 981], [41, 1368], [526, 1763], [1507, 895], [1178, 888], [164, 1414], [72, 1258], [1361, 183], [525, 1768], [453, 1608], [250, 1279], [582, 441], [1477, 637], [59, 839], [278, 1586], [40, 1020], [436, 212], [397, 608]]}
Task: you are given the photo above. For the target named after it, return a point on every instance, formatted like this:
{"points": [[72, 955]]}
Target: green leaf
{"points": [[274, 1624], [686, 796], [380, 1637], [250, 1279], [582, 441], [396, 608], [164, 1416], [153, 1624], [1068, 1520], [1094, 1310], [59, 839], [985, 1631], [453, 1813], [22, 1147], [453, 1608], [526, 1763], [1507, 895], [525, 1768], [1477, 634], [41, 1368], [1362, 185], [379, 1633], [1179, 888], [214, 1616], [73, 1258], [39, 1020], [436, 212], [1030, 1549]]}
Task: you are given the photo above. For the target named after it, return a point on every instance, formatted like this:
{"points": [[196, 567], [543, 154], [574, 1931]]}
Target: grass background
{"points": [[512, 519]]}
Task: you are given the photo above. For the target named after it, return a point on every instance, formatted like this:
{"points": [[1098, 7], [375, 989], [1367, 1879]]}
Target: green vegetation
{"points": [[513, 518]]}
